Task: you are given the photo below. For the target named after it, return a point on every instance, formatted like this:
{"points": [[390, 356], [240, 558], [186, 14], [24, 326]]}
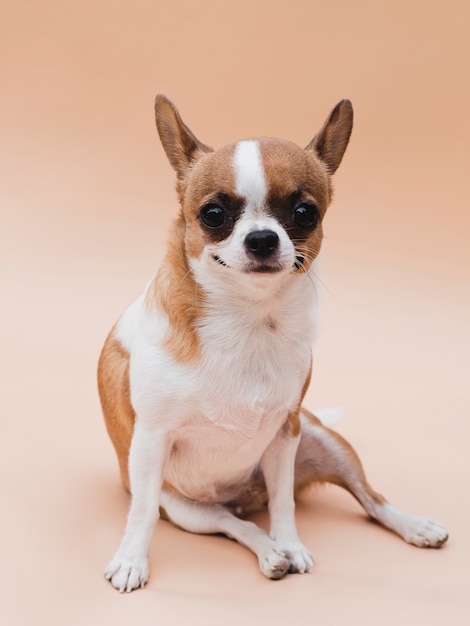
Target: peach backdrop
{"points": [[86, 199]]}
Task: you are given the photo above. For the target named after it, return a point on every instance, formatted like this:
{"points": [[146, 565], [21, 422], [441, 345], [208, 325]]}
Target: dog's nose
{"points": [[262, 243]]}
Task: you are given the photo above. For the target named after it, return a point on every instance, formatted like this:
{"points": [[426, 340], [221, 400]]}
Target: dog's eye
{"points": [[306, 215], [212, 216]]}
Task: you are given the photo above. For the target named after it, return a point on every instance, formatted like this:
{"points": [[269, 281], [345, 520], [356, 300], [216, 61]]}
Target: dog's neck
{"points": [[246, 307], [236, 293]]}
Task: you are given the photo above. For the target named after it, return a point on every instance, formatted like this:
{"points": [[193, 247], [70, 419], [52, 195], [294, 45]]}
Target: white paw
{"points": [[127, 574], [301, 559], [425, 533], [282, 558], [274, 563]]}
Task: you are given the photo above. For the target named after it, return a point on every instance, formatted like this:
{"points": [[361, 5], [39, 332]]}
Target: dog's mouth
{"points": [[219, 260], [263, 269], [255, 268], [299, 262]]}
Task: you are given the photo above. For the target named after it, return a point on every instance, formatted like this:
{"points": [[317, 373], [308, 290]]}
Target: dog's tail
{"points": [[330, 416]]}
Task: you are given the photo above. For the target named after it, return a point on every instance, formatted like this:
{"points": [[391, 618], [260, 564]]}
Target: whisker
{"points": [[196, 302], [309, 255], [317, 277], [184, 277]]}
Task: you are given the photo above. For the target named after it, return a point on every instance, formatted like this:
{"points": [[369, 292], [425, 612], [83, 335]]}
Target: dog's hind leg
{"points": [[324, 456], [208, 518], [114, 390]]}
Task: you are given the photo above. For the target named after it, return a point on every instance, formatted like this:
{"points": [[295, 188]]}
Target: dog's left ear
{"points": [[181, 146], [331, 142]]}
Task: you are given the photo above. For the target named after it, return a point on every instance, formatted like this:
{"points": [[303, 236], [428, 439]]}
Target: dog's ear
{"points": [[331, 142], [181, 146]]}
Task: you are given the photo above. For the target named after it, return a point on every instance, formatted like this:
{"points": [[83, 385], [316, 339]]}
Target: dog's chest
{"points": [[251, 366], [242, 392], [222, 411]]}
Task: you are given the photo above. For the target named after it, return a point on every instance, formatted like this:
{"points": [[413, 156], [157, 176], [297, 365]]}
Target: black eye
{"points": [[212, 216], [306, 215]]}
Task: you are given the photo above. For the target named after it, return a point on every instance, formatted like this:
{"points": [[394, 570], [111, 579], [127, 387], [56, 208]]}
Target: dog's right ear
{"points": [[180, 144], [332, 140]]}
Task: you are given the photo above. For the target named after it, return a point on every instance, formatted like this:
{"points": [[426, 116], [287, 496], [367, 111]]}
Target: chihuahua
{"points": [[202, 378]]}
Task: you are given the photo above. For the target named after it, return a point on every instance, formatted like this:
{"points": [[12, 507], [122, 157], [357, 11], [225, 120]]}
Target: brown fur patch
{"points": [[289, 169], [211, 179], [114, 391], [294, 423], [294, 176], [175, 291]]}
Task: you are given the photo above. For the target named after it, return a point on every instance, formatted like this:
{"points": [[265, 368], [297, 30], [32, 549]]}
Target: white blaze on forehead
{"points": [[250, 180]]}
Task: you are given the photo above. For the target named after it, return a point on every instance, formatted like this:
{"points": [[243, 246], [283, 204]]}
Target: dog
{"points": [[202, 379]]}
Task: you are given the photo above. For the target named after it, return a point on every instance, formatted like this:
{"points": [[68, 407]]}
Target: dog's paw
{"points": [[285, 558], [274, 563], [127, 574], [301, 559], [425, 533], [419, 531]]}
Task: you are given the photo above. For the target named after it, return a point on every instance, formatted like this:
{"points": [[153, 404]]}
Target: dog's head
{"points": [[254, 207]]}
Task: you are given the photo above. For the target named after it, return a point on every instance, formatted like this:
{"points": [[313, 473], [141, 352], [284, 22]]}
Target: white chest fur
{"points": [[222, 412]]}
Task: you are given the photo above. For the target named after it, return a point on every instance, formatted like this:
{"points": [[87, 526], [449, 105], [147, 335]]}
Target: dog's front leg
{"points": [[129, 569], [278, 463]]}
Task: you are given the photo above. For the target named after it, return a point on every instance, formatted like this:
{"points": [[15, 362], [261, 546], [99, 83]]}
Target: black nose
{"points": [[262, 243]]}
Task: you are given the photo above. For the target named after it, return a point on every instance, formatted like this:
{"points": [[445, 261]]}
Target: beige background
{"points": [[86, 198]]}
